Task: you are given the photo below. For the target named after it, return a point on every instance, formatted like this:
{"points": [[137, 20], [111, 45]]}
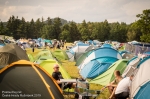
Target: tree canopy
{"points": [[58, 28]]}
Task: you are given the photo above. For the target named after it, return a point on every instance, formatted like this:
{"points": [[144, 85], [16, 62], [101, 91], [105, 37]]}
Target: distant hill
{"points": [[63, 21]]}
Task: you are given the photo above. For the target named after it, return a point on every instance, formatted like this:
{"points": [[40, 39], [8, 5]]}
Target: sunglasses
{"points": [[57, 67]]}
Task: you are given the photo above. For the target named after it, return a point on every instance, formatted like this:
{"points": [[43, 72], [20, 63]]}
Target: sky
{"points": [[74, 10]]}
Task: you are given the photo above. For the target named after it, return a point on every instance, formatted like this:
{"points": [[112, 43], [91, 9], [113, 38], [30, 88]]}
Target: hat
{"points": [[56, 65]]}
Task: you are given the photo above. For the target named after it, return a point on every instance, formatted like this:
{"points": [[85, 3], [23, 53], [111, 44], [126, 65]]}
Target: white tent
{"points": [[140, 86]]}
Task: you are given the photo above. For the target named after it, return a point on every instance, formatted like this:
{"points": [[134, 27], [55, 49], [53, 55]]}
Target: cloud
{"points": [[76, 10], [6, 2]]}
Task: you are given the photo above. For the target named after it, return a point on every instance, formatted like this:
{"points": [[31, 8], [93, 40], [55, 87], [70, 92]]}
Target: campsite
{"points": [[74, 49], [24, 72]]}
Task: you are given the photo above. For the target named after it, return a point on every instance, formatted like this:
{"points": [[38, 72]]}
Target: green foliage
{"points": [[144, 25], [58, 28]]}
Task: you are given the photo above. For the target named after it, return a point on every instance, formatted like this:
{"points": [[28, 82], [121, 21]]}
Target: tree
{"points": [[134, 32], [144, 24], [57, 25]]}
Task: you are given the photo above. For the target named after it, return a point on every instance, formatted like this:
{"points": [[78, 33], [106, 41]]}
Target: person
{"points": [[57, 76], [112, 86], [122, 90]]}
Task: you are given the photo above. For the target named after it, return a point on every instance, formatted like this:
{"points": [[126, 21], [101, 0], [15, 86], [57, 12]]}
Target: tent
{"points": [[44, 53], [48, 66], [70, 55], [92, 47], [2, 43], [82, 57], [11, 53], [98, 62], [60, 54], [132, 64], [104, 52], [106, 45], [25, 80], [31, 58], [108, 76], [140, 85], [96, 67], [78, 48]]}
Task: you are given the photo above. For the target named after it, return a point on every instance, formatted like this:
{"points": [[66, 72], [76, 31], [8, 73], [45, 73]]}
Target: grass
{"points": [[73, 71]]}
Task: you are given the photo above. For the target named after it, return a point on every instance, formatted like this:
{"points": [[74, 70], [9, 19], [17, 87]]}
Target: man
{"points": [[112, 86], [57, 76], [122, 90]]}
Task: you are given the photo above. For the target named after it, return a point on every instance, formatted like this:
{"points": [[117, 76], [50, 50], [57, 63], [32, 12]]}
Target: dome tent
{"points": [[28, 80], [11, 53]]}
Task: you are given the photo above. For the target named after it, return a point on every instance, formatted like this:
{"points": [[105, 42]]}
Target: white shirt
{"points": [[123, 85]]}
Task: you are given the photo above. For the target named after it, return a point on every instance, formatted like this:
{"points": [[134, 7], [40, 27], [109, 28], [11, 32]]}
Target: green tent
{"points": [[108, 76], [82, 57], [31, 58], [44, 53], [48, 66], [60, 54]]}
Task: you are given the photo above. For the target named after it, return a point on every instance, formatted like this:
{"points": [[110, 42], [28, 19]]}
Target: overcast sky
{"points": [[74, 10]]}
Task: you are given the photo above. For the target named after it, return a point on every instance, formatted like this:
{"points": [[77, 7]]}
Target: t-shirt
{"points": [[57, 75], [123, 85]]}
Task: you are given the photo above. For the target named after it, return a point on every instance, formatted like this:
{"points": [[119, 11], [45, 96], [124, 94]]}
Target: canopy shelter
{"points": [[23, 79]]}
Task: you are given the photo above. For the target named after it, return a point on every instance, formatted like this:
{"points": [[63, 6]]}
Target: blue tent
{"points": [[106, 45], [98, 62]]}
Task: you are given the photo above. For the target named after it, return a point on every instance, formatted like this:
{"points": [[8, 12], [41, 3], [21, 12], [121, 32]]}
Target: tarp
{"points": [[108, 76], [48, 66], [140, 86], [25, 80], [11, 53]]}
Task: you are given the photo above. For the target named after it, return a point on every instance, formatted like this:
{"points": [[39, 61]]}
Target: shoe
{"points": [[76, 96]]}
